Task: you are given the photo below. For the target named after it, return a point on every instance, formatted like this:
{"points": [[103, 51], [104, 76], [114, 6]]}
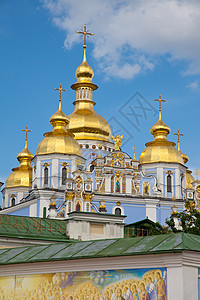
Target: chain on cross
{"points": [[26, 130], [85, 34]]}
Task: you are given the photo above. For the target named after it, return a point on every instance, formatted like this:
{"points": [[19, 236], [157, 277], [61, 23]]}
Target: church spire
{"points": [[59, 120], [160, 130], [184, 156], [178, 135], [84, 73], [160, 101]]}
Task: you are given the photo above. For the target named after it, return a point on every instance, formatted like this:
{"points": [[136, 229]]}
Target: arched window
{"points": [[169, 183], [46, 175], [78, 207], [64, 175], [118, 211], [12, 201], [91, 168], [181, 184]]}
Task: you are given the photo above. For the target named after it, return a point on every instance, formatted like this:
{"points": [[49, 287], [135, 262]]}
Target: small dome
{"points": [[22, 175], [64, 144], [160, 153], [189, 179], [59, 140], [185, 158], [84, 73], [19, 177], [160, 130], [160, 149]]}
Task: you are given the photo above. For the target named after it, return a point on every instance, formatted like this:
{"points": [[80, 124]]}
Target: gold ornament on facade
{"points": [[134, 149], [117, 141], [198, 189], [119, 156], [78, 179], [99, 147], [45, 165], [87, 197], [169, 172], [118, 174], [69, 196], [118, 203], [64, 164]]}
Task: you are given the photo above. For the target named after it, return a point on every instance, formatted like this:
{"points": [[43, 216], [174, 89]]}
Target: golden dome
{"points": [[84, 72], [189, 179], [160, 149], [59, 140], [85, 123], [22, 175], [185, 157]]}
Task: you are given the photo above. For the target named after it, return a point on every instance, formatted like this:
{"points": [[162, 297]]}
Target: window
{"points": [[118, 211], [91, 168], [64, 175], [46, 174], [12, 201], [181, 185], [169, 183], [44, 212]]}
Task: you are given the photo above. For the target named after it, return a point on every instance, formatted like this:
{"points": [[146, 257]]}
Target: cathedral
{"points": [[68, 209], [80, 166]]}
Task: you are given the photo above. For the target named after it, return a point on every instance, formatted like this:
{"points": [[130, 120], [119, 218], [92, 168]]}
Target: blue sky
{"points": [[140, 49]]}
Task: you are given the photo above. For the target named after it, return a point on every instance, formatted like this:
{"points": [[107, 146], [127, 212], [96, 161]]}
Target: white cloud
{"points": [[193, 85], [130, 35]]}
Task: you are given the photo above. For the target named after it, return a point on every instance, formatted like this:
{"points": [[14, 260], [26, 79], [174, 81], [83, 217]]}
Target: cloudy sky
{"points": [[140, 49]]}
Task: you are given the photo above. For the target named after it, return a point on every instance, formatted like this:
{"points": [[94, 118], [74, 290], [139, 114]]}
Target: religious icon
{"points": [[146, 188], [117, 187]]}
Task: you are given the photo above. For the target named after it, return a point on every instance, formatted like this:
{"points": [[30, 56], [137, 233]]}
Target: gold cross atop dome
{"points": [[85, 33], [60, 90], [26, 130], [178, 135], [160, 100]]}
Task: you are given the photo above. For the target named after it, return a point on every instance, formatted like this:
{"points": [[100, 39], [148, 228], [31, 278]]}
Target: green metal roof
{"points": [[32, 228], [174, 242]]}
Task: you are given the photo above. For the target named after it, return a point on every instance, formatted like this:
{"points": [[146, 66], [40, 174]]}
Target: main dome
{"points": [[85, 123], [59, 140]]}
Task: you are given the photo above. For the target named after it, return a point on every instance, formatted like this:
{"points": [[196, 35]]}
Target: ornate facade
{"points": [[80, 166]]}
